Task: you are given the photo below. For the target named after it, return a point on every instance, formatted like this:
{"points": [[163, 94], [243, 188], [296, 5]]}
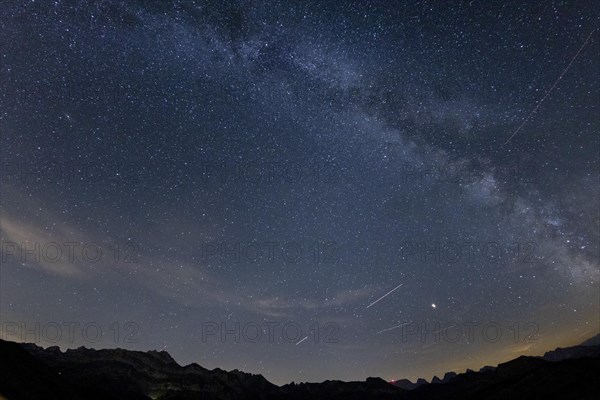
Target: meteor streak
{"points": [[388, 293], [553, 86]]}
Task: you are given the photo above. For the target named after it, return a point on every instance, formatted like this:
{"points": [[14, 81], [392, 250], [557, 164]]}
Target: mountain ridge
{"points": [[82, 373]]}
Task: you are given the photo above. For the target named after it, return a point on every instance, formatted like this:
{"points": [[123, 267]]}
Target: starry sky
{"points": [[374, 176]]}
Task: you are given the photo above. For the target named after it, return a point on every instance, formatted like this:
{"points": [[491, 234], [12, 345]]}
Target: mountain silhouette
{"points": [[28, 371]]}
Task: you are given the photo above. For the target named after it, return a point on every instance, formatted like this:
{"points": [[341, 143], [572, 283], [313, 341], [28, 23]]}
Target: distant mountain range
{"points": [[590, 348], [28, 371]]}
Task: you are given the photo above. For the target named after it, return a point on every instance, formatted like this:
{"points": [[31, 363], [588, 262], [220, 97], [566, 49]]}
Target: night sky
{"points": [[376, 177]]}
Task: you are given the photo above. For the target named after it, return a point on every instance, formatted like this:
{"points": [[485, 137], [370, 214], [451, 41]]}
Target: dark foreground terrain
{"points": [[31, 372]]}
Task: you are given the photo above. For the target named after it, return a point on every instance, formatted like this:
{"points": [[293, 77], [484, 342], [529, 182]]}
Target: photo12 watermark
{"points": [[69, 332], [465, 172], [291, 252], [71, 252], [469, 332], [269, 332], [468, 252]]}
